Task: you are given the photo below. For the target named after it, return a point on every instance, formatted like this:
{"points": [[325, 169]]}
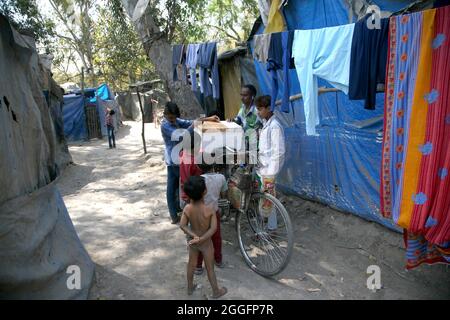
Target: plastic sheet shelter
{"points": [[341, 166], [74, 116], [38, 241]]}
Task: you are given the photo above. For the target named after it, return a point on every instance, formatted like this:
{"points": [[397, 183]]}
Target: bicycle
{"points": [[266, 251]]}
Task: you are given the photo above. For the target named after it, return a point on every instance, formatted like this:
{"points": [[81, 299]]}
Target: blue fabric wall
{"points": [[74, 118], [340, 167]]}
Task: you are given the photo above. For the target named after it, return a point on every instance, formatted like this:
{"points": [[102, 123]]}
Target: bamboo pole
{"points": [[321, 90], [143, 123]]}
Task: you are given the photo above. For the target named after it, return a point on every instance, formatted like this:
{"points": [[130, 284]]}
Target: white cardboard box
{"points": [[218, 135]]}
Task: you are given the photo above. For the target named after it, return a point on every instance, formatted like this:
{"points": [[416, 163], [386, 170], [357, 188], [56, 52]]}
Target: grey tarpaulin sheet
{"points": [[38, 244], [37, 239]]}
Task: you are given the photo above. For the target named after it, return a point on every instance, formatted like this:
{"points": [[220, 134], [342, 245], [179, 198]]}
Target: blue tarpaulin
{"points": [[341, 166], [74, 118], [73, 111]]}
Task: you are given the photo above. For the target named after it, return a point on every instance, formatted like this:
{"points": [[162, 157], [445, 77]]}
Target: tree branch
{"points": [[224, 31]]}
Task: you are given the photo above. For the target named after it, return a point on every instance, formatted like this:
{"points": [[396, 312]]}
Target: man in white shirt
{"points": [[271, 150]]}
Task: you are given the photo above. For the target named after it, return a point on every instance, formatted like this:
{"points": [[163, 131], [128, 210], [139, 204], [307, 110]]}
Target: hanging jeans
{"points": [[191, 63], [323, 53], [173, 183], [111, 137], [179, 57], [207, 61]]}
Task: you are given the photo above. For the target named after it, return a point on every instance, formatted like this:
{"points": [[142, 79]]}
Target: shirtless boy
{"points": [[203, 224]]}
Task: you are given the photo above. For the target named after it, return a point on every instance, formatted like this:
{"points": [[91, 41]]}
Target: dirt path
{"points": [[116, 199]]}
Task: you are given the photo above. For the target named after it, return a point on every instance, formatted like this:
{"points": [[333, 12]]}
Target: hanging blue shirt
{"points": [[323, 53], [167, 129]]}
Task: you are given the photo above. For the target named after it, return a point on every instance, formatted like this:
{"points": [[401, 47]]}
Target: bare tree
{"points": [[75, 16]]}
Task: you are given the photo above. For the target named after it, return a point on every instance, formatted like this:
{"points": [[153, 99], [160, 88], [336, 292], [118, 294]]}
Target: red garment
{"points": [[187, 168], [109, 120], [432, 218], [217, 244]]}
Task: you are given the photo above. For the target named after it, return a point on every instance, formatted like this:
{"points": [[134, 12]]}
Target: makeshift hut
{"points": [[39, 244], [84, 113], [325, 65]]}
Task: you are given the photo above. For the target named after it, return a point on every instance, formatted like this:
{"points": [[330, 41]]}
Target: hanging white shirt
{"points": [[323, 53], [271, 148]]}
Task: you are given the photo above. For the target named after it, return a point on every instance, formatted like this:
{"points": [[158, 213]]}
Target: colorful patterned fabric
{"points": [[415, 189], [419, 250], [266, 184]]}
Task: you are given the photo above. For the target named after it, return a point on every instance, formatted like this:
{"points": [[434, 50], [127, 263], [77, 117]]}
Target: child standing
{"points": [[203, 225], [216, 188], [270, 156], [110, 127]]}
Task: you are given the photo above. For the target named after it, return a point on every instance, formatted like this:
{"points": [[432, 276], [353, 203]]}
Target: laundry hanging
{"points": [[261, 47], [178, 59], [279, 58], [275, 21], [191, 64], [323, 53], [368, 60], [207, 61], [415, 186], [264, 9]]}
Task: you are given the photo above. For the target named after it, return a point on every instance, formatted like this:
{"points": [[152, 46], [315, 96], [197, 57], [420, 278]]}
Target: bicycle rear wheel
{"points": [[265, 241]]}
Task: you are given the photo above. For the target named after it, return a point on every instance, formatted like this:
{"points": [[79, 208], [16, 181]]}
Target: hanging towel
{"points": [[275, 20], [261, 47], [368, 61], [321, 53], [191, 63], [207, 61]]}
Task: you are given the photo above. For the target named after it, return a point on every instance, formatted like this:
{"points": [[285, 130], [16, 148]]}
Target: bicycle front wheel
{"points": [[265, 234]]}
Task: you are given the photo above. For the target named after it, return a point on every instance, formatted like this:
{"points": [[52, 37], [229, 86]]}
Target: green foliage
{"points": [[118, 53], [25, 17], [109, 43], [201, 20], [232, 20]]}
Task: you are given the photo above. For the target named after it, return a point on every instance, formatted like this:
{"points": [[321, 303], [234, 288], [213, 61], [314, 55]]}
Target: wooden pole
{"points": [[300, 96], [321, 90], [143, 124]]}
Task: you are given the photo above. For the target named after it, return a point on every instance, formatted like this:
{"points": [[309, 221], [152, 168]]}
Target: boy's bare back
{"points": [[199, 216]]}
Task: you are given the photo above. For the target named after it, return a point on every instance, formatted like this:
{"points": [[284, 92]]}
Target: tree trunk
{"points": [[159, 51]]}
